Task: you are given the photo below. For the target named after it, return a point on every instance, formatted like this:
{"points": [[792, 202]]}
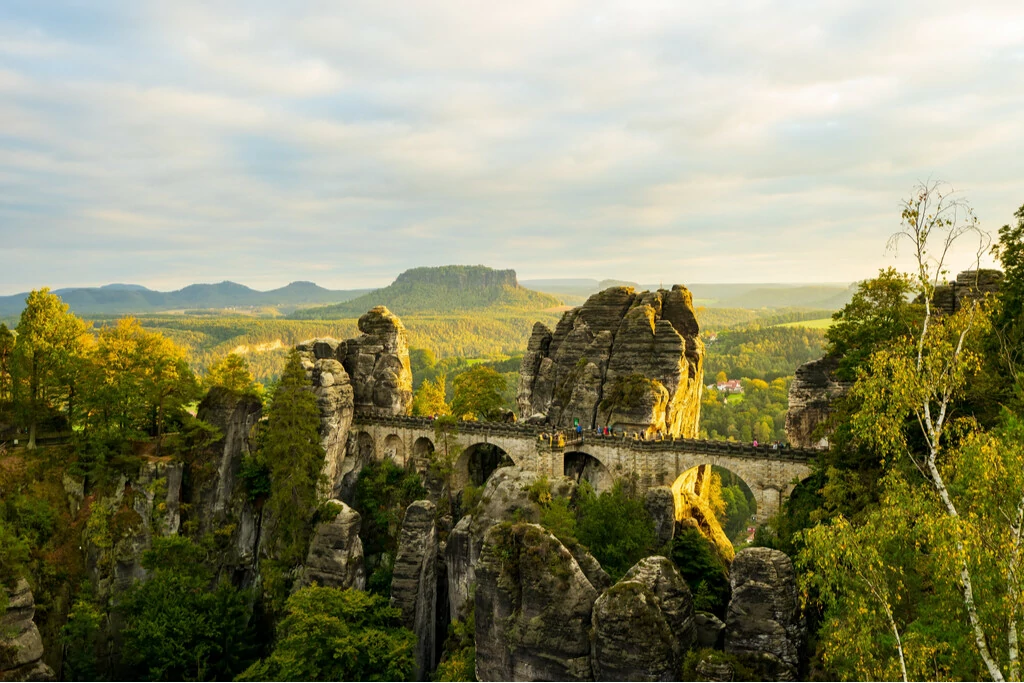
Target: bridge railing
{"points": [[572, 440]]}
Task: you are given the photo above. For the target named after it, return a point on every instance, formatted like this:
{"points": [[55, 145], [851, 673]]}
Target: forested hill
{"points": [[119, 299], [441, 289]]}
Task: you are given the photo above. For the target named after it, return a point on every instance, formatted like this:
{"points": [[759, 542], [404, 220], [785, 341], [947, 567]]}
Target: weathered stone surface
{"points": [[335, 556], [21, 647], [713, 670], [335, 399], [660, 502], [764, 625], [378, 364], [533, 608], [692, 494], [970, 285], [582, 370], [812, 394], [643, 625], [218, 501], [710, 630], [234, 416], [414, 583], [632, 639], [505, 497]]}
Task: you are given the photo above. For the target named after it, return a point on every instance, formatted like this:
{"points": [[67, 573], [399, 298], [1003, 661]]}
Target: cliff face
{"points": [[630, 360], [21, 647], [812, 394]]}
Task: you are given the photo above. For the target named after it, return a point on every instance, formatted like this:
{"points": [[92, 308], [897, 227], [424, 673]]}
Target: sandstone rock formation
{"points": [[335, 556], [660, 502], [643, 625], [710, 630], [21, 647], [812, 394], [414, 583], [234, 416], [533, 608], [970, 285], [692, 493], [377, 362], [764, 625], [626, 359], [335, 399], [505, 497]]}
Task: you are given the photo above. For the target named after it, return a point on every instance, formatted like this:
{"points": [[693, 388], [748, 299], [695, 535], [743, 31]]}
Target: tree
{"points": [[615, 526], [430, 398], [478, 394], [291, 450], [721, 377], [334, 635], [179, 628], [232, 373], [47, 356], [879, 311], [136, 380], [6, 353], [906, 396]]}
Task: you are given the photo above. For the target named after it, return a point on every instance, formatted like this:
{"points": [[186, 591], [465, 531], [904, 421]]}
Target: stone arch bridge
{"points": [[770, 474]]}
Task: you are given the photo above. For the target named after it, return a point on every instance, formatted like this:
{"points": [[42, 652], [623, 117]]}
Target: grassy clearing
{"points": [[818, 324]]}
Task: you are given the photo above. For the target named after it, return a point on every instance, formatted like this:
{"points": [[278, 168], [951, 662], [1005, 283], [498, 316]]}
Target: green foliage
{"points": [[738, 510], [478, 392], [705, 574], [81, 639], [6, 356], [626, 392], [879, 312], [760, 352], [232, 372], [458, 661], [615, 526], [760, 415], [429, 399], [291, 450], [13, 559], [383, 492], [255, 476], [176, 627], [334, 635]]}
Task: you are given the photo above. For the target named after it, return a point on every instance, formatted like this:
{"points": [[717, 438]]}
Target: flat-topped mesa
{"points": [[629, 360]]}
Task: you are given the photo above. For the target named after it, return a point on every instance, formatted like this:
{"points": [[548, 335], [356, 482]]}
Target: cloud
{"points": [[172, 142]]}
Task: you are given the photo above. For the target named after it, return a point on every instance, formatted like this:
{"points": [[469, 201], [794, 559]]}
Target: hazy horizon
{"points": [[171, 143]]}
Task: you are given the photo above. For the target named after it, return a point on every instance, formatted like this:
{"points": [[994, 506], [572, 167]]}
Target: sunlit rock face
{"points": [[692, 494], [629, 360], [813, 394]]}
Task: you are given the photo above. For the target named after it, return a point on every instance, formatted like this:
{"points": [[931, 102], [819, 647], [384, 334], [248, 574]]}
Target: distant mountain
{"points": [[120, 299], [440, 289]]}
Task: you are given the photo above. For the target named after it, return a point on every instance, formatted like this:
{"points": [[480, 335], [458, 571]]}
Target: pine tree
{"points": [[293, 454]]}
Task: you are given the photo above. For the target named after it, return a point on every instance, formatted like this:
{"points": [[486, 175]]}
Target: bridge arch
{"points": [[477, 462], [365, 447], [394, 448], [583, 466], [739, 498]]}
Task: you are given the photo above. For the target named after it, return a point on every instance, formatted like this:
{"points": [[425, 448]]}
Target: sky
{"points": [[165, 143]]}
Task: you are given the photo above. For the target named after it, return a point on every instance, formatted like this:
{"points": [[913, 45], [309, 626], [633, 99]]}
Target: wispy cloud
{"points": [[170, 142]]}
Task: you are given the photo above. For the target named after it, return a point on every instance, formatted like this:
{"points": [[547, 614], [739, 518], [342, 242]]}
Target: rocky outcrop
{"points": [[506, 496], [626, 359], [21, 647], [692, 493], [812, 395], [335, 399], [335, 556], [970, 285], [215, 479], [764, 625], [660, 503], [414, 583], [710, 630], [218, 501], [377, 362], [643, 626], [533, 608]]}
